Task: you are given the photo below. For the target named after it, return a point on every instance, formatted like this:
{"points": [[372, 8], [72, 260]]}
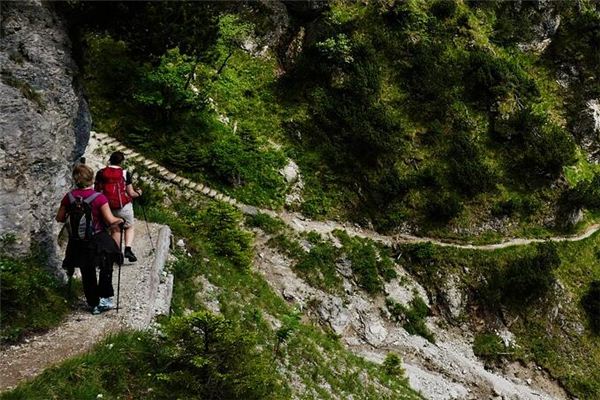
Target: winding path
{"points": [[300, 223]]}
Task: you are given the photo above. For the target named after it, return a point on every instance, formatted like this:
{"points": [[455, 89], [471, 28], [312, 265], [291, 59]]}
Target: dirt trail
{"points": [[300, 223], [145, 292], [81, 330]]}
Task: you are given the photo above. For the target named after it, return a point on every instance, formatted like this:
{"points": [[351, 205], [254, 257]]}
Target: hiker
{"points": [[116, 184], [87, 215]]}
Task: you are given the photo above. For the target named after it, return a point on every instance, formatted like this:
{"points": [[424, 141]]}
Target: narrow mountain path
{"points": [[300, 223], [145, 292]]}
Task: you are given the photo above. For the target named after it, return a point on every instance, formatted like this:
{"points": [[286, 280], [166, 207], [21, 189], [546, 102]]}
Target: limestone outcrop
{"points": [[44, 122]]}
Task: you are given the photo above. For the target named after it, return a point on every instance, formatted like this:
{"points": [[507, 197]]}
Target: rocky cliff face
{"points": [[44, 122]]}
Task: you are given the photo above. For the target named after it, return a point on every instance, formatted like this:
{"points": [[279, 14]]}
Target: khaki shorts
{"points": [[126, 213]]}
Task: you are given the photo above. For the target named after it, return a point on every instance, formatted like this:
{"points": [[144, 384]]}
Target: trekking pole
{"points": [[147, 227], [122, 227]]}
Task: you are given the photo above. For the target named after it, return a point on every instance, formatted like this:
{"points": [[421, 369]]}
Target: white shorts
{"points": [[126, 213]]}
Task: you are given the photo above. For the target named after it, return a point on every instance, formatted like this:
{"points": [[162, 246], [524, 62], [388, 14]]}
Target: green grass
{"points": [[32, 299]]}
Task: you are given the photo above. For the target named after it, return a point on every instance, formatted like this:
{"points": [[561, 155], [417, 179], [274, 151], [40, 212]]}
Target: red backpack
{"points": [[112, 184]]}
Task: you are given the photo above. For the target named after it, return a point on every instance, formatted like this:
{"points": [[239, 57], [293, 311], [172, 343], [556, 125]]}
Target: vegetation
{"points": [[523, 281], [591, 304], [412, 318], [419, 112], [25, 282], [439, 117], [200, 355], [490, 347]]}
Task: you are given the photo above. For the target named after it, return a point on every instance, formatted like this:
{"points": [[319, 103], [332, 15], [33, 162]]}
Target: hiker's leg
{"points": [[89, 281], [105, 287], [129, 235], [127, 214]]}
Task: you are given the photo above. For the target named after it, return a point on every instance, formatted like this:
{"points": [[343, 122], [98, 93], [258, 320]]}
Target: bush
{"points": [[265, 222], [489, 346], [591, 304], [524, 280], [222, 224], [32, 299], [468, 170], [205, 356], [413, 317], [239, 161], [318, 267], [392, 365], [443, 207], [288, 246]]}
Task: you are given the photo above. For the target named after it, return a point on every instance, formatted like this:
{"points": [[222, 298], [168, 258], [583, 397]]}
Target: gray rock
{"points": [[587, 130], [290, 172], [44, 123]]}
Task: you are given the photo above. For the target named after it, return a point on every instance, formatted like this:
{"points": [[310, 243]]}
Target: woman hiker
{"points": [[116, 184], [87, 215]]}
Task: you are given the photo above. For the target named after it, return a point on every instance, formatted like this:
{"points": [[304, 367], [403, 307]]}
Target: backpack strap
{"points": [[71, 198], [92, 197]]}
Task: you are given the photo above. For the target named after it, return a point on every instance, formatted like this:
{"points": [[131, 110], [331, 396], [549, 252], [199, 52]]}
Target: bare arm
{"points": [[108, 216], [132, 192], [61, 215]]}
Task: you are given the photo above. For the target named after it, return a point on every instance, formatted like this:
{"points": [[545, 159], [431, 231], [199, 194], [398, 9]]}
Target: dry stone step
{"points": [[212, 193], [206, 190], [177, 180], [169, 176], [186, 182]]}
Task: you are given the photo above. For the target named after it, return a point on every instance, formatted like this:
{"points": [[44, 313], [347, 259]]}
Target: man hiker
{"points": [[116, 184], [87, 214]]}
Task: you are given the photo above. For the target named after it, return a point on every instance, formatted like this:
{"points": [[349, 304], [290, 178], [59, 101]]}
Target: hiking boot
{"points": [[105, 304], [96, 310], [129, 255]]}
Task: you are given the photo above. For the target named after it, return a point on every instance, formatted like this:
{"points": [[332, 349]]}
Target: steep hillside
{"points": [[454, 119], [399, 164]]}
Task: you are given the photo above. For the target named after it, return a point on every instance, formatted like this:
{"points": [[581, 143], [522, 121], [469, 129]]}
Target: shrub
{"points": [[591, 304], [318, 267], [265, 222], [489, 346], [443, 9], [205, 355], [392, 365], [240, 162], [443, 207], [364, 266], [32, 299], [222, 223], [287, 245], [413, 317], [468, 170], [524, 280]]}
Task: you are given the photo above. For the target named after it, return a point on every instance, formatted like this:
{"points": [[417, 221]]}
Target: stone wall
{"points": [[44, 122]]}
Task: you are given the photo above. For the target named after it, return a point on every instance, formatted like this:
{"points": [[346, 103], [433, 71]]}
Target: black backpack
{"points": [[80, 224]]}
